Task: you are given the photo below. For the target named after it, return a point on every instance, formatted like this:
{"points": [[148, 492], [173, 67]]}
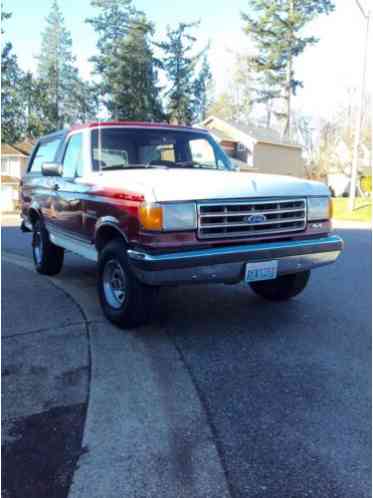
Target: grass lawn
{"points": [[362, 211]]}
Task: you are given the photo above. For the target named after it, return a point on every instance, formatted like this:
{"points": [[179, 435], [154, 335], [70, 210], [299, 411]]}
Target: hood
{"points": [[163, 185]]}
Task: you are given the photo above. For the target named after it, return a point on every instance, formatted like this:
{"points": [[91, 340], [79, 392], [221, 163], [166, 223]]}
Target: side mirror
{"points": [[51, 169]]}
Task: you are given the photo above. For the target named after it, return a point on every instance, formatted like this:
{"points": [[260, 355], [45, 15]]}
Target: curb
{"points": [[146, 432], [358, 225]]}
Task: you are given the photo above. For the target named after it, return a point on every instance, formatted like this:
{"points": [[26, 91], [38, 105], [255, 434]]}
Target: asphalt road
{"points": [[286, 388]]}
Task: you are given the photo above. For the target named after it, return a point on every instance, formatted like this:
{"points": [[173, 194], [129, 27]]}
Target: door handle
{"points": [[56, 186]]}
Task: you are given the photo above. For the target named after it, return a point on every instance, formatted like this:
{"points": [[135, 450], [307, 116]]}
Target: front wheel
{"points": [[282, 288], [48, 258], [124, 300]]}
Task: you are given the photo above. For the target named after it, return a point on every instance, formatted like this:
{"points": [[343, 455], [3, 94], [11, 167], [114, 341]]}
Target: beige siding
{"points": [[24, 163], [281, 160], [14, 166]]}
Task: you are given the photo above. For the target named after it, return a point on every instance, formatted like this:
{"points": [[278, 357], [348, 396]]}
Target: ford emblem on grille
{"points": [[256, 218]]}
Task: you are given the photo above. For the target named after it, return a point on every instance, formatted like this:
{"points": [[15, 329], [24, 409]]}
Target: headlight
{"points": [[168, 217], [179, 217], [319, 208]]}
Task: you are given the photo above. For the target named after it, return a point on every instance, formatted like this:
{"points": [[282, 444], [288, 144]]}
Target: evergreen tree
{"points": [[276, 28], [130, 76], [12, 108], [68, 97], [39, 110], [180, 65], [241, 88], [223, 107], [236, 102], [203, 90], [34, 92], [112, 24], [138, 96]]}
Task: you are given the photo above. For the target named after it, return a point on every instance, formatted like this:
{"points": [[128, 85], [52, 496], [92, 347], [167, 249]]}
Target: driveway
{"points": [[225, 394], [45, 370]]}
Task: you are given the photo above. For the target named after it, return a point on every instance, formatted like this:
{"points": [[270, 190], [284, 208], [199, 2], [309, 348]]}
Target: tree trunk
{"points": [[57, 109], [287, 131], [269, 113]]}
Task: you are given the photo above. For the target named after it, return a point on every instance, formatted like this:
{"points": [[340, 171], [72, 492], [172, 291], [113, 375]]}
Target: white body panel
{"points": [[164, 185]]}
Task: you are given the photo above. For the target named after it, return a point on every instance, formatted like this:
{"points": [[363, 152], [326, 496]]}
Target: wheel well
{"points": [[106, 234], [33, 216]]}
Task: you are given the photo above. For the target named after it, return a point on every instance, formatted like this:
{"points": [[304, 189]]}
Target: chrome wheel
{"points": [[114, 284], [38, 246]]}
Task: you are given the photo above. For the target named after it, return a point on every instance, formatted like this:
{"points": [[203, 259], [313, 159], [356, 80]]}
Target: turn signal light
{"points": [[331, 208], [151, 217]]}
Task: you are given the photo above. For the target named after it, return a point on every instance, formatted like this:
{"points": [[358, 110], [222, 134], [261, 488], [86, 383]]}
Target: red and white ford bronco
{"points": [[156, 204]]}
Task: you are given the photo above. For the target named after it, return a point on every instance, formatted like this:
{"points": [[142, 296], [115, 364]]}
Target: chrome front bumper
{"points": [[227, 264]]}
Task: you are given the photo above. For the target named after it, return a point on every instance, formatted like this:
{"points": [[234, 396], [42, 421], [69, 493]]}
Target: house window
{"points": [[10, 166]]}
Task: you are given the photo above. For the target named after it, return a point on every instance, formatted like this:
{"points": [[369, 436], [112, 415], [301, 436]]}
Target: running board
{"points": [[83, 249]]}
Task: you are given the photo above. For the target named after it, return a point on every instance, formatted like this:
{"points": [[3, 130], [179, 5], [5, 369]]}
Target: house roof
{"points": [[257, 133], [220, 135], [10, 150], [260, 133], [22, 149]]}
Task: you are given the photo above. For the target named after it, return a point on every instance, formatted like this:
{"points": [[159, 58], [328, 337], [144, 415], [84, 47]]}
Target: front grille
{"points": [[251, 218]]}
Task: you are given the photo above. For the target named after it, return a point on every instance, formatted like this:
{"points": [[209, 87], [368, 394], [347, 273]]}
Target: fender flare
{"points": [[34, 212], [108, 222]]}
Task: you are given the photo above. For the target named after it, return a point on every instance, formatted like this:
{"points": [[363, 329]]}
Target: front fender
{"points": [[106, 228]]}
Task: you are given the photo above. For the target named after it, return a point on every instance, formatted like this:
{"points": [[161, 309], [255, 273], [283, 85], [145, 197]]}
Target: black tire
{"points": [[48, 258], [282, 288], [125, 301]]}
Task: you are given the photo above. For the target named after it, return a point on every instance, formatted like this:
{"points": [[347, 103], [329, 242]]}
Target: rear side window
{"points": [[45, 153]]}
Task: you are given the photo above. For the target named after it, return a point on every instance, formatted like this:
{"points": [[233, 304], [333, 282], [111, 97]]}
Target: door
{"points": [[37, 189], [68, 205]]}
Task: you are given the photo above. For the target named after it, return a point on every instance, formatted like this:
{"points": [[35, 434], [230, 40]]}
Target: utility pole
{"points": [[355, 160]]}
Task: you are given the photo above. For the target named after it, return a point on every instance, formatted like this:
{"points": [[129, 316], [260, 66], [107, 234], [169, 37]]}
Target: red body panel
{"points": [[178, 240], [134, 124]]}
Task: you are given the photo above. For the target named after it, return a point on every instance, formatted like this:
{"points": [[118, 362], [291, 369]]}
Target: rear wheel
{"points": [[48, 258], [124, 300], [282, 288]]}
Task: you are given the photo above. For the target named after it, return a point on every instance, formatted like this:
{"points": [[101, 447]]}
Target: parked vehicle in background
{"points": [[157, 205]]}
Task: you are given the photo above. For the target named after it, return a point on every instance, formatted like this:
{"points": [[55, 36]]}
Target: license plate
{"points": [[261, 271]]}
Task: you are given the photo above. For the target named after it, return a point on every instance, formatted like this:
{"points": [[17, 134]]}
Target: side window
{"points": [[154, 153], [202, 152], [45, 153], [110, 157], [72, 161]]}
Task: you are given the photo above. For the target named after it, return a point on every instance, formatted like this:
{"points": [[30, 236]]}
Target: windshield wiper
{"points": [[131, 166], [191, 164]]}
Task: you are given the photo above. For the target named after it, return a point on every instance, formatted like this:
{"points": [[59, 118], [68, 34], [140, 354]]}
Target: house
{"points": [[13, 166], [256, 148], [338, 177]]}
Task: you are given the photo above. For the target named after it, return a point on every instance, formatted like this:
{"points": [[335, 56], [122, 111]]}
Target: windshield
{"points": [[123, 148]]}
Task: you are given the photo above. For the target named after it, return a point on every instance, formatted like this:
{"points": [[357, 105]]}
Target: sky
{"points": [[328, 69]]}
